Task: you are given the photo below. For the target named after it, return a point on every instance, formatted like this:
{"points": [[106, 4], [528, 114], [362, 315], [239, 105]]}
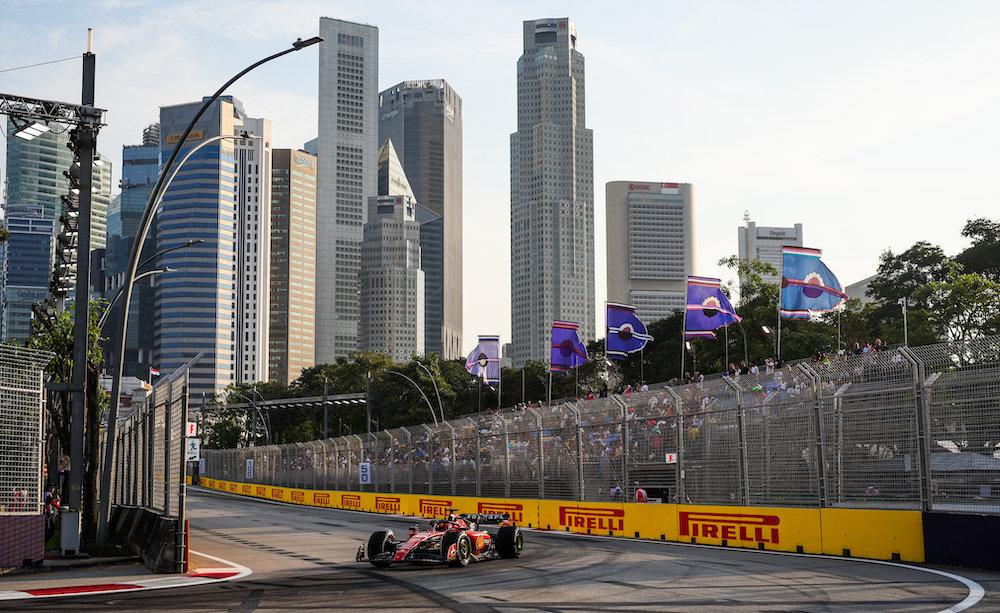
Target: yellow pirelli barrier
{"points": [[876, 534], [775, 528]]}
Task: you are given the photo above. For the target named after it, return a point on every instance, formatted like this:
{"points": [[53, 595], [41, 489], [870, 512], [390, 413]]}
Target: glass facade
{"points": [[140, 169], [25, 268], [195, 307], [35, 176]]}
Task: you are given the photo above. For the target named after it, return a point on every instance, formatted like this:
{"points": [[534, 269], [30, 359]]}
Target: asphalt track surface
{"points": [[303, 559]]}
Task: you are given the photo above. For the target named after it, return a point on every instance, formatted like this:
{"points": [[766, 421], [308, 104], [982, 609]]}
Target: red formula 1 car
{"points": [[455, 540]]}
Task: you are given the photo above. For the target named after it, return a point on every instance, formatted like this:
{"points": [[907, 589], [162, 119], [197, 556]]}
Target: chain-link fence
{"points": [[22, 400], [150, 450], [148, 475], [909, 428]]}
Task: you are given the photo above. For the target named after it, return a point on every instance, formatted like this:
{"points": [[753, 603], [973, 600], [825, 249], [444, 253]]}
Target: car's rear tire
{"points": [[510, 542], [464, 548], [380, 542]]}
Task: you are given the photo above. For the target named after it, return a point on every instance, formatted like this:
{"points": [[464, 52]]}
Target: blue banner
{"points": [[626, 333]]}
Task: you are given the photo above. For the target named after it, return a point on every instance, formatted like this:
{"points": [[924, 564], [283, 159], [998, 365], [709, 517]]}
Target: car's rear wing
{"points": [[486, 518]]}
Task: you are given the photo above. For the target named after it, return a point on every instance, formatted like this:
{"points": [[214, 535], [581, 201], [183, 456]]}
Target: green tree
{"points": [[964, 306], [57, 336], [983, 256]]}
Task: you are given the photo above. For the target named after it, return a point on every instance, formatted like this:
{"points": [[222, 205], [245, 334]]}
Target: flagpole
{"points": [[779, 333], [499, 385], [576, 371], [683, 330], [642, 365], [550, 385], [726, 330]]}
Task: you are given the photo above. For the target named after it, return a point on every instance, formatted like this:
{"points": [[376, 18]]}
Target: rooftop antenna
{"points": [[746, 216]]}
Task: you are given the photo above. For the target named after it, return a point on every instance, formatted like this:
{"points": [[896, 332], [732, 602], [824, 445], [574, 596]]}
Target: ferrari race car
{"points": [[455, 540]]}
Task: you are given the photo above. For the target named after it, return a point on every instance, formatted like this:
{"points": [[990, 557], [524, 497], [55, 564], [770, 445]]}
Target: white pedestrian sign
{"points": [[365, 473], [193, 449], [249, 469]]}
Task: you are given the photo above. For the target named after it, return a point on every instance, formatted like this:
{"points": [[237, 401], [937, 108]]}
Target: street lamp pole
{"points": [[140, 238], [118, 295], [434, 381], [426, 399], [906, 333]]}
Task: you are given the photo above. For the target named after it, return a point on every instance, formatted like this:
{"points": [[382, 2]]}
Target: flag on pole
{"points": [[154, 372], [568, 351], [807, 285], [484, 360], [626, 333], [708, 308]]}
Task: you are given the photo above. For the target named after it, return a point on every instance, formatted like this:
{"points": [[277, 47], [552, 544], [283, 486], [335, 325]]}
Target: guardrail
{"points": [[910, 428]]}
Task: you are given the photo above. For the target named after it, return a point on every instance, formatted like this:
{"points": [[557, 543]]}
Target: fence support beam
{"points": [[922, 390]]}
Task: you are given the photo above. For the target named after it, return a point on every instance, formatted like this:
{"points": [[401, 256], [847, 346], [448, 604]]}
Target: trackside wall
{"points": [[863, 533]]}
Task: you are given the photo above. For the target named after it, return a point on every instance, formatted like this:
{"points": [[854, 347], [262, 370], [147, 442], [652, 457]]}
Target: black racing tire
{"points": [[380, 542], [464, 544], [509, 542]]}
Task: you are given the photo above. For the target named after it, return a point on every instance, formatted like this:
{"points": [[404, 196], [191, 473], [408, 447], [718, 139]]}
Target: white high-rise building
{"points": [[346, 148], [253, 201], [764, 243], [650, 250], [552, 192], [393, 282]]}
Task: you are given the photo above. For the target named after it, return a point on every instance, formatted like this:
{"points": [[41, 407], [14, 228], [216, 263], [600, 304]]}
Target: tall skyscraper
{"points": [[552, 192], [348, 132], [424, 121], [25, 267], [140, 168], [764, 243], [253, 244], [35, 176], [650, 249], [196, 306], [292, 336], [392, 282]]}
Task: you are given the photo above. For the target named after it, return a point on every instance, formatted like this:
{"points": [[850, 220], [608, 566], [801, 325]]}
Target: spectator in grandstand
{"points": [[857, 349], [53, 507], [616, 492], [644, 388], [880, 345], [640, 494]]}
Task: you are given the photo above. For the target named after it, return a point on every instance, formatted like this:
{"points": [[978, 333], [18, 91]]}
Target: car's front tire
{"points": [[463, 548], [380, 542], [510, 542]]}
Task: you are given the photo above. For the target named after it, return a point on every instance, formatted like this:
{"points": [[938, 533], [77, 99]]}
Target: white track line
{"points": [[976, 591], [144, 585]]}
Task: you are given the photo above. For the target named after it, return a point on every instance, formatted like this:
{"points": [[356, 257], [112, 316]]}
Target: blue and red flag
{"points": [[626, 333], [568, 351], [484, 360], [807, 285], [708, 308]]}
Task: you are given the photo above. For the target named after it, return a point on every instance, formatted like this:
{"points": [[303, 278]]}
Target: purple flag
{"points": [[708, 309], [626, 333], [484, 359], [568, 351]]}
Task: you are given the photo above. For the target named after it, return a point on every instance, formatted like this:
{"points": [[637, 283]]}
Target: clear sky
{"points": [[875, 124]]}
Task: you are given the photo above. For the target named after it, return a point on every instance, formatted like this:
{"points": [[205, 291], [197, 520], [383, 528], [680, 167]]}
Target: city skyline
{"points": [[849, 138]]}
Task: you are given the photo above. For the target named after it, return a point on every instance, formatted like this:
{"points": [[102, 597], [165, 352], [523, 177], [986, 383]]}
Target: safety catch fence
{"points": [[22, 401], [909, 428]]}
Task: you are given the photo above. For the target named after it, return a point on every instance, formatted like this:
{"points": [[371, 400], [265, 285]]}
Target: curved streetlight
{"points": [[192, 242], [257, 411], [118, 295], [426, 399], [140, 238], [436, 392]]}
